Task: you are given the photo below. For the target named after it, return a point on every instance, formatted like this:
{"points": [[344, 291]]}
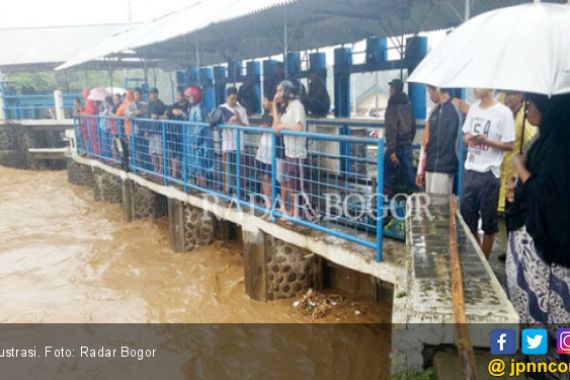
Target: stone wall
{"points": [[79, 174], [275, 269], [107, 187], [190, 227], [14, 147], [147, 204], [290, 271]]}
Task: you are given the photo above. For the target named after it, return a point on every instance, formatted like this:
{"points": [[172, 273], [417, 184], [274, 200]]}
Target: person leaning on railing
{"points": [[263, 157], [125, 140], [200, 140], [155, 110], [229, 139], [294, 119], [179, 112]]}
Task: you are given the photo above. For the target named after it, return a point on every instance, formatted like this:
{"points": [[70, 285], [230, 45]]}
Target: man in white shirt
{"points": [[294, 119], [229, 138], [489, 131]]}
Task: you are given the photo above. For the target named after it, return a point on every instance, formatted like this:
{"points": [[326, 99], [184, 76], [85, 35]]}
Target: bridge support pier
{"points": [[79, 174], [141, 203], [190, 227], [14, 147], [107, 187], [275, 269]]}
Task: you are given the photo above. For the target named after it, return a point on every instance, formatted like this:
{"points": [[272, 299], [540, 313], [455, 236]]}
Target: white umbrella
{"points": [[522, 48], [115, 90], [98, 94]]}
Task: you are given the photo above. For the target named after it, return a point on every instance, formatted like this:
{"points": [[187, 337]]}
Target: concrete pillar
{"points": [[79, 174], [220, 84], [190, 227], [14, 147], [127, 190], [107, 187], [253, 70], [275, 269], [141, 203], [254, 263], [59, 107], [2, 114], [416, 50], [342, 67], [207, 83]]}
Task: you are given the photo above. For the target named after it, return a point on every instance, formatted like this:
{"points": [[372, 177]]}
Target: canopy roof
{"points": [[213, 31], [47, 47]]}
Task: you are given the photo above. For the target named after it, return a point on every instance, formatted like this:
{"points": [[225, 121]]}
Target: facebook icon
{"points": [[503, 342]]}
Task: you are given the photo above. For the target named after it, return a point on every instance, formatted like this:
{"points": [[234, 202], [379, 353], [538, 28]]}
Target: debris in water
{"points": [[317, 305]]}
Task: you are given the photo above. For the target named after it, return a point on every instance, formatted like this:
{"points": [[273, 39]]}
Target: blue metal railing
{"points": [[251, 167], [37, 106]]}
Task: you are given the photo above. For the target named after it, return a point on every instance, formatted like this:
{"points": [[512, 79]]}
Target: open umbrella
{"points": [[521, 48], [98, 94], [115, 90]]}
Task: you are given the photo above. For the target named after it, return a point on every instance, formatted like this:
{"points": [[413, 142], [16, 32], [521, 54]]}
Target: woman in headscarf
{"points": [[538, 254], [122, 110], [90, 111], [123, 143]]}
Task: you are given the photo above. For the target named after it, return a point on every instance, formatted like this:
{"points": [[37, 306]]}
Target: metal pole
{"points": [[197, 56], [467, 9], [379, 200], [238, 166], [273, 175], [285, 45]]}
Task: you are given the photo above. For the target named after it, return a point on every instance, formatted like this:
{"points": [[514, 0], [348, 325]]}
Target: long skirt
{"points": [[540, 293]]}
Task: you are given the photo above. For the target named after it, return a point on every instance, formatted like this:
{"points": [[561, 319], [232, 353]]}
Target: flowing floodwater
{"points": [[66, 258]]}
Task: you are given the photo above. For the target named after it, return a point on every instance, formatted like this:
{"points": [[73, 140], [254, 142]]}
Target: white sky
{"points": [[26, 13]]}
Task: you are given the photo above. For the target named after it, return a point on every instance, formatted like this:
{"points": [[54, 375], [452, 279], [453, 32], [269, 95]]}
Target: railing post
{"points": [[99, 132], [75, 136], [344, 150], [58, 105], [89, 142], [380, 200], [238, 164], [273, 174], [133, 146], [164, 154], [460, 164], [185, 156], [3, 112]]}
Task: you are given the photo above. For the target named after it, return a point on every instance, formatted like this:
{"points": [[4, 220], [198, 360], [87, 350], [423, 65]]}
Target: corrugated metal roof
{"points": [[47, 47], [243, 29], [194, 17]]}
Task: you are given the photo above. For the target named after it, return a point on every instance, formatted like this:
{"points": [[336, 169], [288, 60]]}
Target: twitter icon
{"points": [[534, 341]]}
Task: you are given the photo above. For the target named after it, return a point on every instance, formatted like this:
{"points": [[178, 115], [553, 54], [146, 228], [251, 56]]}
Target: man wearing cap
{"points": [[400, 130]]}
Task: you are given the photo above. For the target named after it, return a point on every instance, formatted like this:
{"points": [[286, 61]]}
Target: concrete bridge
{"points": [[30, 144], [283, 261]]}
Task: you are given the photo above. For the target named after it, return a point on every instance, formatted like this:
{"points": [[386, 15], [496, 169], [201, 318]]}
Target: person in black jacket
{"points": [[440, 144], [400, 130]]}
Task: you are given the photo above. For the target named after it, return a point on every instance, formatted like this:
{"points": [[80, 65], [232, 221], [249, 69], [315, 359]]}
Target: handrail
{"points": [[158, 147]]}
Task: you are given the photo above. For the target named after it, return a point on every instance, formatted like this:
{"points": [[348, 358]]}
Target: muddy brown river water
{"points": [[66, 258]]}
